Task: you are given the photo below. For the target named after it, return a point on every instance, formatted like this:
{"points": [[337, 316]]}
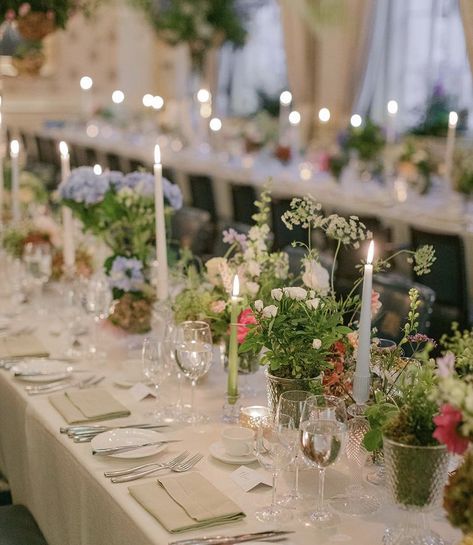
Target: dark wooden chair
{"points": [[243, 201], [192, 229]]}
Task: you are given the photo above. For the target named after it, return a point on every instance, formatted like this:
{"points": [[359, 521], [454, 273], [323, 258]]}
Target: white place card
{"points": [[141, 391], [247, 478]]}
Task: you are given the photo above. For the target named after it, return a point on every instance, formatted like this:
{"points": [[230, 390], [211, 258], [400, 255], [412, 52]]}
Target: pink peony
{"points": [[245, 319], [447, 423], [375, 303]]}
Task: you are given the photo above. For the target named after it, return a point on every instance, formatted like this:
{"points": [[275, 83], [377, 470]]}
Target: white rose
{"points": [[252, 288], [259, 305], [313, 303], [296, 293], [316, 277], [270, 311], [316, 344], [213, 269], [276, 294]]}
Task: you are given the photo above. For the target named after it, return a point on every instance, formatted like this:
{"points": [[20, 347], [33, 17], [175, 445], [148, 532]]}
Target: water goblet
{"points": [[275, 449], [193, 354], [98, 299], [322, 437], [155, 369], [38, 263]]}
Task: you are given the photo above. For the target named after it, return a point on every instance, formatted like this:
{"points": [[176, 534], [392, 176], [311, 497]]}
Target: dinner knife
{"points": [[92, 428], [120, 450], [230, 540]]}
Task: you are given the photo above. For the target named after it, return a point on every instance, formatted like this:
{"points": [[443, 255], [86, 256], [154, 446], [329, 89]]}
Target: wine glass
{"points": [[98, 299], [291, 403], [322, 436], [38, 263], [275, 449], [193, 353], [155, 368]]}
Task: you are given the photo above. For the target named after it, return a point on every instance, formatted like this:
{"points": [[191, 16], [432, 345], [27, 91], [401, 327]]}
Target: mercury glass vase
{"points": [[277, 385], [415, 478]]}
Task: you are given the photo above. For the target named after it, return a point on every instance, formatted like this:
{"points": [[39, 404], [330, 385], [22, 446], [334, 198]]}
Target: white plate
{"points": [[124, 380], [129, 436], [217, 450], [51, 370]]}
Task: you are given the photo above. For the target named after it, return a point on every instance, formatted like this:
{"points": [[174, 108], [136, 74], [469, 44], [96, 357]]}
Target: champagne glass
{"points": [[275, 449], [193, 353], [155, 368], [291, 403], [322, 435], [98, 299]]}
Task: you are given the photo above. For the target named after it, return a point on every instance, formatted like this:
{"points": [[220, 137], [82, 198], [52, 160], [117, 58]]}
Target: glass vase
{"points": [[415, 478], [277, 385]]}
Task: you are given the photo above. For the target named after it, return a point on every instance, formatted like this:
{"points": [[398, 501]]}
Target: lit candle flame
{"points": [[294, 117], [369, 259], [157, 154], [14, 148], [452, 119], [285, 98], [63, 149], [236, 286]]}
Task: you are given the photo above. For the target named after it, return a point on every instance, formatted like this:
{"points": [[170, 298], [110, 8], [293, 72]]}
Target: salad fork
{"points": [[120, 472]]}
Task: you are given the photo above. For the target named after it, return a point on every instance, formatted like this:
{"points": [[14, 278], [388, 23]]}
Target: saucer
{"points": [[217, 450]]}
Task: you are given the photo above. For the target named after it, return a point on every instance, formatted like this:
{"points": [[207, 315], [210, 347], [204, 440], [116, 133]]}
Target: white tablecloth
{"points": [[64, 487]]}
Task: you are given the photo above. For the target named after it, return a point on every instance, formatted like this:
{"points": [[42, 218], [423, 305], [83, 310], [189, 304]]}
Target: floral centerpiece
{"points": [[202, 24], [42, 229], [416, 165], [119, 209], [308, 331], [32, 190], [207, 296]]}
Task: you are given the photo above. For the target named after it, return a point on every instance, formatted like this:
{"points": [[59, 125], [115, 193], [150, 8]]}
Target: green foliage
{"points": [[460, 343], [458, 497], [62, 9], [368, 140]]}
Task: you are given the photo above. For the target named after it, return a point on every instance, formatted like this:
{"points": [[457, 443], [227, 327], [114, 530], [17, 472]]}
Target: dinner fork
{"points": [[87, 383], [119, 472], [184, 466]]}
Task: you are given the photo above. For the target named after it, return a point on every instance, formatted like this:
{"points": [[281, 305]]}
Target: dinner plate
{"points": [[129, 436], [125, 380], [50, 370], [217, 450]]}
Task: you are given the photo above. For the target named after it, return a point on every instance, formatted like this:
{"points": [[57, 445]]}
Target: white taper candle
{"points": [[361, 382], [161, 248], [450, 148], [15, 179], [67, 221]]}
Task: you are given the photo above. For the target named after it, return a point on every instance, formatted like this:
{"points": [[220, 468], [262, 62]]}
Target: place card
{"points": [[140, 391], [247, 478]]}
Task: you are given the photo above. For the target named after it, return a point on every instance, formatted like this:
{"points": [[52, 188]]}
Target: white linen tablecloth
{"points": [[74, 504]]}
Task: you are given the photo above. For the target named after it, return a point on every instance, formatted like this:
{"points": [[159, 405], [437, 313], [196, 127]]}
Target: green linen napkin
{"points": [[21, 346], [77, 406], [187, 501]]}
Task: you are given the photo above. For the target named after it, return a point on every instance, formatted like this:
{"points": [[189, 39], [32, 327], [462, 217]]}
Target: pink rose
{"points": [[375, 303], [447, 423], [245, 319], [218, 306]]}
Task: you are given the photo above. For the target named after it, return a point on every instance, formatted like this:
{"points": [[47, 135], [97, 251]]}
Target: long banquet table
{"points": [[432, 212], [63, 484]]}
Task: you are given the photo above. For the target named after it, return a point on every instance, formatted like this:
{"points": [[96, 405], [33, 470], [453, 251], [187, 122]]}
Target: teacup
{"points": [[238, 441]]}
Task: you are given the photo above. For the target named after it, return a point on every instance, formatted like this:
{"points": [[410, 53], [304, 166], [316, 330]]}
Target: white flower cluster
{"points": [[303, 212], [348, 231]]}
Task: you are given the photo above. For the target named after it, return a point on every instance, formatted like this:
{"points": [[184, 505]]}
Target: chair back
{"points": [[243, 201]]}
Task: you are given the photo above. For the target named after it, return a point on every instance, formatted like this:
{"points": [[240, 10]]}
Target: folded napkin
{"points": [[21, 346], [78, 406], [186, 502]]}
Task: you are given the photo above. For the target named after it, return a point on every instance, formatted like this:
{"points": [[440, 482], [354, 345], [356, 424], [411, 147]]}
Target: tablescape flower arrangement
{"points": [[201, 24], [307, 334], [206, 296], [417, 165], [119, 209], [42, 229], [32, 191], [463, 171]]}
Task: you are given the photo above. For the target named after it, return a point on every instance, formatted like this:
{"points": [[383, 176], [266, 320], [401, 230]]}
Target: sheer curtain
{"points": [[415, 47]]}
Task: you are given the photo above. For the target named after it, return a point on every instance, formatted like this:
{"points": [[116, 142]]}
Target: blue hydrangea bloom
{"points": [[143, 184], [117, 179], [84, 186], [126, 274]]}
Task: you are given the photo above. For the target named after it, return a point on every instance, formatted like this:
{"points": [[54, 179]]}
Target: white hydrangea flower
{"points": [[276, 294], [295, 293], [316, 344], [270, 311], [259, 305]]}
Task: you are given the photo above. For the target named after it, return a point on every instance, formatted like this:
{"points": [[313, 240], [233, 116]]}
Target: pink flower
{"points": [[447, 423], [353, 339], [446, 365], [375, 303], [218, 306], [245, 319]]}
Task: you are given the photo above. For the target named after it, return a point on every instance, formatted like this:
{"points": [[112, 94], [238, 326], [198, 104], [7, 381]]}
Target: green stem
{"points": [[334, 265]]}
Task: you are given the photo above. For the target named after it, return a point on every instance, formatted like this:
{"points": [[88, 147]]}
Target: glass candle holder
{"points": [[253, 417]]}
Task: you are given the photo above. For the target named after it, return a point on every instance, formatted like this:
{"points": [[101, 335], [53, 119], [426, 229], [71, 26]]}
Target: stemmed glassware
{"points": [[291, 403], [98, 299], [322, 437], [38, 263], [193, 354], [155, 369], [275, 450]]}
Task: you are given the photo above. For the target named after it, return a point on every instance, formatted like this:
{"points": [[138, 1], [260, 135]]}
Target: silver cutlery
{"points": [[87, 383], [182, 467], [76, 430], [47, 385], [121, 472], [88, 436], [128, 448], [230, 540]]}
